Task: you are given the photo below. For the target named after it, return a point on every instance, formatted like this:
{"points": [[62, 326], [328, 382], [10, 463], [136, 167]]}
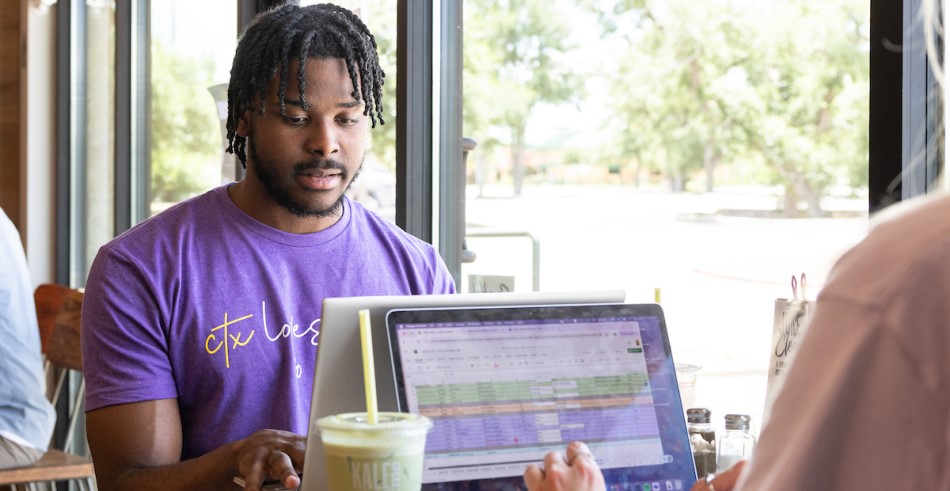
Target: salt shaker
{"points": [[737, 443], [702, 440]]}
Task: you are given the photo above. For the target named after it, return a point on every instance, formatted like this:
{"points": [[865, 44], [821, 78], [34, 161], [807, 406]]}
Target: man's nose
{"points": [[323, 140]]}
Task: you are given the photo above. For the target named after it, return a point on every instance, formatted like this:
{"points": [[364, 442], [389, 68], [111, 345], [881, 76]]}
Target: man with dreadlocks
{"points": [[200, 325]]}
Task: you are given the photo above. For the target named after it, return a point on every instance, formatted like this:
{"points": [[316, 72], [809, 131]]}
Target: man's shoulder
{"points": [[369, 219], [169, 224]]}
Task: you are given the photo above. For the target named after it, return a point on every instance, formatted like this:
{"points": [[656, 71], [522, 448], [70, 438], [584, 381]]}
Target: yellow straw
{"points": [[369, 373], [656, 295]]}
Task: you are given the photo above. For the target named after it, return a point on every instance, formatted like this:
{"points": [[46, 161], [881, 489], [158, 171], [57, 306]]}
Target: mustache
{"points": [[322, 164]]}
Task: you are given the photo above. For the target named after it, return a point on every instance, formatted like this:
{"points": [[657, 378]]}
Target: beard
{"points": [[280, 191]]}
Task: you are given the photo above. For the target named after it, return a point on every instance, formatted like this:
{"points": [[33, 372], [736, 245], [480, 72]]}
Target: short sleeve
{"points": [[124, 341]]}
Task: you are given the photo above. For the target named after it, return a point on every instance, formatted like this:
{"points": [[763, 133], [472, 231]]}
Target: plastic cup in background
{"points": [[686, 379], [384, 456]]}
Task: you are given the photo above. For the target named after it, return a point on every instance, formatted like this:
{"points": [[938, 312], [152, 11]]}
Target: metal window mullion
{"points": [[122, 209], [64, 87], [78, 157], [414, 117], [131, 114], [451, 225], [886, 103], [920, 108], [71, 141], [142, 111]]}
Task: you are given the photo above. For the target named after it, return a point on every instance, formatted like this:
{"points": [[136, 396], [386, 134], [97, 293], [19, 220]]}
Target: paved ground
{"points": [[719, 275]]}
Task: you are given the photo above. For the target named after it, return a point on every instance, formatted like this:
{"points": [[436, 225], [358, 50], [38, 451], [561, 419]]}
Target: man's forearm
{"points": [[209, 472]]}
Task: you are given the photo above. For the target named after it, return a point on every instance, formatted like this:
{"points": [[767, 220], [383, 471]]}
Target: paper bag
{"points": [[791, 319]]}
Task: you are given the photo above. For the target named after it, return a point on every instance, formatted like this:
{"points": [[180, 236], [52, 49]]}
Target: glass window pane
{"points": [[190, 60], [98, 134], [709, 149]]}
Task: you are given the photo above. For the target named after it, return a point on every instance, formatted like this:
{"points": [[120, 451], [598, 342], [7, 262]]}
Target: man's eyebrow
{"points": [[298, 103]]}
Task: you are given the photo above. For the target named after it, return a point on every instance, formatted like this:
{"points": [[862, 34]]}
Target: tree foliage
{"points": [[186, 143], [514, 59], [381, 19], [702, 93], [780, 86]]}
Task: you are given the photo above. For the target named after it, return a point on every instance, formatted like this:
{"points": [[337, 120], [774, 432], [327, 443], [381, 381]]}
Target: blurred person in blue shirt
{"points": [[26, 416]]}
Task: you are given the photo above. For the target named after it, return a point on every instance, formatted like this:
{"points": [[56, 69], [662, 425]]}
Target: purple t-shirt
{"points": [[207, 305]]}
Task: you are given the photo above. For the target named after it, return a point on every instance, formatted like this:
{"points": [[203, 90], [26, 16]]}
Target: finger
{"points": [[533, 476], [726, 480], [296, 449], [280, 466], [254, 477], [574, 449], [554, 459], [291, 480], [579, 450], [699, 485]]}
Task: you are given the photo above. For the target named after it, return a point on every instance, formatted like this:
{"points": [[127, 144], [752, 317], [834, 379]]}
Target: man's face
{"points": [[306, 160]]}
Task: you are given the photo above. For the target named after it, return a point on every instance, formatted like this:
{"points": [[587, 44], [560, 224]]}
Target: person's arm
{"points": [[138, 446]]}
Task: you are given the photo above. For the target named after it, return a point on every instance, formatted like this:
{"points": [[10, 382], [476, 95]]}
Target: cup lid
{"points": [[387, 423]]}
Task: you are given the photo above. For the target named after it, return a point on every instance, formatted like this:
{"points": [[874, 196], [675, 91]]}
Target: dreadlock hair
{"points": [[288, 32]]}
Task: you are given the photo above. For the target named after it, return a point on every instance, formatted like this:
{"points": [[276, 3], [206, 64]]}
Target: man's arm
{"points": [[138, 446]]}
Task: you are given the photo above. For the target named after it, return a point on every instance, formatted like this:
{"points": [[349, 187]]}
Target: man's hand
{"points": [[577, 471], [723, 481], [138, 446], [269, 455]]}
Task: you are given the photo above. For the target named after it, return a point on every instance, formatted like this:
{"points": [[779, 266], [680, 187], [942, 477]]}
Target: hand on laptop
{"points": [[269, 455], [575, 471], [723, 481]]}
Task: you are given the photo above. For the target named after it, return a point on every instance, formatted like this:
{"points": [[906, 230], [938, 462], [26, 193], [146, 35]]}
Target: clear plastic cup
{"points": [[686, 379], [383, 456]]}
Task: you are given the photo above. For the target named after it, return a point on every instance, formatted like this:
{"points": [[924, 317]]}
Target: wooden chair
{"points": [[58, 310]]}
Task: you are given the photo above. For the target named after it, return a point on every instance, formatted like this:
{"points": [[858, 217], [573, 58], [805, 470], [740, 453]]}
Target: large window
{"points": [[710, 150], [190, 69], [190, 65]]}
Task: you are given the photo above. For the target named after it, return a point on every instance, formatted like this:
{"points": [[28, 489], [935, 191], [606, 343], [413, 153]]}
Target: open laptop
{"points": [[506, 385], [338, 378]]}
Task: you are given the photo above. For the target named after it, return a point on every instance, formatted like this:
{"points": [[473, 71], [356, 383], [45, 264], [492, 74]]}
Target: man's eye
{"points": [[348, 121], [295, 119]]}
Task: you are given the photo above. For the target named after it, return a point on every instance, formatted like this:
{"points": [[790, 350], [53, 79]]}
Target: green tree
{"points": [[380, 17], [515, 58], [669, 57], [186, 140], [780, 83], [813, 90]]}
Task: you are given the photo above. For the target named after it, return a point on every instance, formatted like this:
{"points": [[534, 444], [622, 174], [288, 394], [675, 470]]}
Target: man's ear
{"points": [[244, 124]]}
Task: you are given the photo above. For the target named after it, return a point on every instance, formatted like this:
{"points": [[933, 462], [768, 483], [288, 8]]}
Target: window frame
{"points": [[429, 205], [904, 101], [430, 192]]}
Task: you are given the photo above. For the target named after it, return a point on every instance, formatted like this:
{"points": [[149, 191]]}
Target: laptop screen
{"points": [[506, 385]]}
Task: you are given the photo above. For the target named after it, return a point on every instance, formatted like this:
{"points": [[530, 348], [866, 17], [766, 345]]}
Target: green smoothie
{"points": [[385, 456]]}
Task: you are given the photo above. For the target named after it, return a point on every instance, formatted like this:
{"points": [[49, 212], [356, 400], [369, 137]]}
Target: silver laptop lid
{"points": [[338, 377]]}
